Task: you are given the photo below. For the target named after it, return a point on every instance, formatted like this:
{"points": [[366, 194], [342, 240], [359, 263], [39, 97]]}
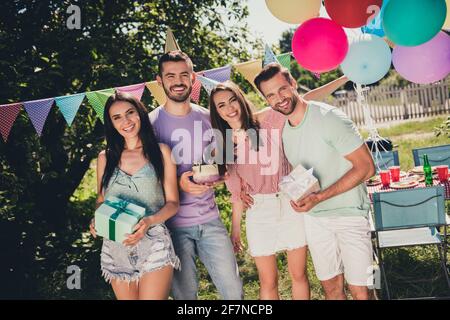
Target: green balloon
{"points": [[413, 22]]}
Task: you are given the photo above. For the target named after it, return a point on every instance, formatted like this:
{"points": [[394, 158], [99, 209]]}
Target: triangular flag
{"points": [[38, 112], [137, 90], [250, 70], [171, 42], [219, 74], [208, 84], [269, 56], [157, 92], [196, 88], [69, 105], [98, 99], [285, 60], [8, 114]]}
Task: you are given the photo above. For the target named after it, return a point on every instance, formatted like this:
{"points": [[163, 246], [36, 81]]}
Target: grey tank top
{"points": [[141, 188]]}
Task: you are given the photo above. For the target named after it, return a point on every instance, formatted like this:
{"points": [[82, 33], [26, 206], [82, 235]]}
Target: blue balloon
{"points": [[368, 60], [376, 25]]}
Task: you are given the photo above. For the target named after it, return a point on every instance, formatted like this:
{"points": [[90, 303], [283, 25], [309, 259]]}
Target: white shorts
{"points": [[273, 226], [341, 245]]}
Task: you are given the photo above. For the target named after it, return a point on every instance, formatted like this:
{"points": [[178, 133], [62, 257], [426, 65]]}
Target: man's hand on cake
{"points": [[191, 187], [215, 183]]}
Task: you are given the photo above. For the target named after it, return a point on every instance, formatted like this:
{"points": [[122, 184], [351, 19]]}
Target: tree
{"points": [[444, 128], [118, 44]]}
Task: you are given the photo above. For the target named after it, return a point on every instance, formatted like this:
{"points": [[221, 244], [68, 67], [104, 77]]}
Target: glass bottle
{"points": [[427, 171]]}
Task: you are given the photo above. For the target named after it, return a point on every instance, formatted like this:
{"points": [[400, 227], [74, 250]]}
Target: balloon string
{"points": [[361, 98]]}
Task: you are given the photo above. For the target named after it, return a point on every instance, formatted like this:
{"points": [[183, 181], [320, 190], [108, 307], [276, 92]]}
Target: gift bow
{"points": [[121, 207]]}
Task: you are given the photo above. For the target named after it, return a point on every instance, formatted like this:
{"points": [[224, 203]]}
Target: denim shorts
{"points": [[153, 252]]}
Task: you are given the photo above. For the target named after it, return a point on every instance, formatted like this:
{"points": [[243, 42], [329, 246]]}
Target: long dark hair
{"points": [[115, 143], [248, 121]]}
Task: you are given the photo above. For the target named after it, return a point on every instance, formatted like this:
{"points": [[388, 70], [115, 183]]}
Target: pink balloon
{"points": [[427, 63], [320, 45]]}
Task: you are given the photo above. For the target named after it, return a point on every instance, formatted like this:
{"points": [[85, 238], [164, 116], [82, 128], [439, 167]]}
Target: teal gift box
{"points": [[116, 217]]}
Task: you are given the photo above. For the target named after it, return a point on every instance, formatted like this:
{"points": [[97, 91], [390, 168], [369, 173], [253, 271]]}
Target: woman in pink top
{"points": [[256, 166]]}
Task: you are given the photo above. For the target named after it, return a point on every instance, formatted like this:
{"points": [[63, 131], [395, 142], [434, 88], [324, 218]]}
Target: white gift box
{"points": [[299, 183]]}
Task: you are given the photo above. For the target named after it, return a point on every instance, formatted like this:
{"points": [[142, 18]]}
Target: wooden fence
{"points": [[390, 103]]}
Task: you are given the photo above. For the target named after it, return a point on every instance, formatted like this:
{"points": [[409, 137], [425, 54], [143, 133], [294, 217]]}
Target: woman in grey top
{"points": [[134, 167]]}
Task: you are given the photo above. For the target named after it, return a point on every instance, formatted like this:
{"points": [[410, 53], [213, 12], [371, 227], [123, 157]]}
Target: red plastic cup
{"points": [[395, 173], [442, 173], [385, 176]]}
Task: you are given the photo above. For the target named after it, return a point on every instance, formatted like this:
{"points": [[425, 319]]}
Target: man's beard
{"points": [[178, 98], [291, 109]]}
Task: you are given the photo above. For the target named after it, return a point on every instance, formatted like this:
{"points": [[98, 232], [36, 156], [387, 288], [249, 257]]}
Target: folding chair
{"points": [[408, 218], [384, 159], [439, 155]]}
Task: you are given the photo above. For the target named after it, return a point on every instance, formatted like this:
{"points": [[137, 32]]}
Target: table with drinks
{"points": [[418, 177]]}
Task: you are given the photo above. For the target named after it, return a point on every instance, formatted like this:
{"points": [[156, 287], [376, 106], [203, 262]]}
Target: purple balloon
{"points": [[427, 63]]}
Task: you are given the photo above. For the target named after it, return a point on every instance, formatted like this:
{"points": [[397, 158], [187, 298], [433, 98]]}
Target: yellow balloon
{"points": [[294, 11], [447, 20]]}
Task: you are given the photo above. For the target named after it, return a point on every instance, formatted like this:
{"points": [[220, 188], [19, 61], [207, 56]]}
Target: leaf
{"points": [[94, 55]]}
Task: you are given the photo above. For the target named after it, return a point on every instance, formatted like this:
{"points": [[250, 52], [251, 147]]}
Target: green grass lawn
{"points": [[413, 271], [411, 135]]}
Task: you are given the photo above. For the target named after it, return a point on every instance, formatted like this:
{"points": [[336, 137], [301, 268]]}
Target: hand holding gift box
{"points": [[116, 218], [299, 183]]}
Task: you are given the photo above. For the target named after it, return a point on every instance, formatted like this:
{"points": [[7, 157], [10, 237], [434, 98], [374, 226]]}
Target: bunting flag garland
{"points": [[250, 70], [38, 111], [98, 99], [221, 74], [269, 56], [285, 60], [69, 105], [171, 42], [196, 88], [8, 114], [208, 84], [137, 90], [157, 92]]}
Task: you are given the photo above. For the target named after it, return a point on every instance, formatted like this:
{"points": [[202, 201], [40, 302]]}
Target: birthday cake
{"points": [[205, 173]]}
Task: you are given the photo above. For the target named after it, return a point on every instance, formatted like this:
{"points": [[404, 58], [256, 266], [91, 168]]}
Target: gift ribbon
{"points": [[121, 207]]}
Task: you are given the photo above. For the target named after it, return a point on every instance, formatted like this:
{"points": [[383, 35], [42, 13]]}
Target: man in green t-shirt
{"points": [[322, 137]]}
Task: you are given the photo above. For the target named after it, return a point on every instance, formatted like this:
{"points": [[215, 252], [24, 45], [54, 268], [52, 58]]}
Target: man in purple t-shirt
{"points": [[196, 229]]}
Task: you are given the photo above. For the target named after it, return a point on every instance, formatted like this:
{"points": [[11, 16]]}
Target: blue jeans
{"points": [[212, 244]]}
